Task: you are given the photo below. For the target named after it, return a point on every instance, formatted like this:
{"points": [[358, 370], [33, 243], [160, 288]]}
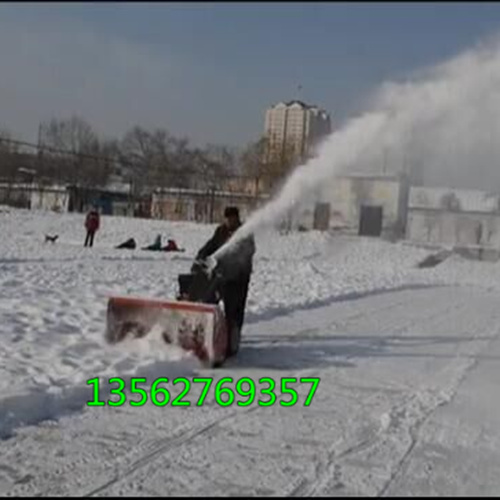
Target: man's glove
{"points": [[207, 265], [198, 265], [210, 264]]}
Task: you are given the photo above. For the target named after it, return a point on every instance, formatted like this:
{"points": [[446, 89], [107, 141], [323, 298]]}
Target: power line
{"points": [[121, 160], [51, 149]]}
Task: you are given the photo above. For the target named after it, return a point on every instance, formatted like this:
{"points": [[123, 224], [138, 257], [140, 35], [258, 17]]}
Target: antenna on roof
{"points": [[299, 91]]}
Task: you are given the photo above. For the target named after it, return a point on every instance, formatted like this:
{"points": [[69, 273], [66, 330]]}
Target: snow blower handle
{"points": [[207, 265], [206, 278], [211, 264]]}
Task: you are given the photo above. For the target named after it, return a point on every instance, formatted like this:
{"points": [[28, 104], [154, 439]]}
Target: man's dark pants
{"points": [[89, 240], [234, 294]]}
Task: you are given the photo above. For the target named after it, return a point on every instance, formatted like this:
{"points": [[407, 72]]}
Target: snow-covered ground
{"points": [[407, 360]]}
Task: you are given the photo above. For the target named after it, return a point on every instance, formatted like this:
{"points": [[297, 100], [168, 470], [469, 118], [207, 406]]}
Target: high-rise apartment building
{"points": [[294, 128]]}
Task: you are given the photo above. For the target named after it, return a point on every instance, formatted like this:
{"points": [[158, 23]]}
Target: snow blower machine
{"points": [[193, 321]]}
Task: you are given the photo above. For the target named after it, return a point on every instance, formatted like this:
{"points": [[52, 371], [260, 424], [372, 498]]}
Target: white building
{"points": [[296, 128], [53, 198], [451, 217], [366, 205]]}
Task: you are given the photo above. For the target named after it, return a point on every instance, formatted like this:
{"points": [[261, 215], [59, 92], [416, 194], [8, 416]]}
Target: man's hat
{"points": [[232, 212]]}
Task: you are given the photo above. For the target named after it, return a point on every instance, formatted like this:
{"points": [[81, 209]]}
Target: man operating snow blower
{"points": [[195, 320], [234, 270]]}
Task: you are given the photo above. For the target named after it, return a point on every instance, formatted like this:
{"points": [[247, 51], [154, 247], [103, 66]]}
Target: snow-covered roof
{"points": [[371, 177], [204, 192], [117, 187], [30, 187]]}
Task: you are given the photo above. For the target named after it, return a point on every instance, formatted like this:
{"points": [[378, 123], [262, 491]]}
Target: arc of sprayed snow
{"points": [[452, 93], [337, 152]]}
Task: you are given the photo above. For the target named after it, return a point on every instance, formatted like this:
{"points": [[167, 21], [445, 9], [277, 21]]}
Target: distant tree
{"points": [[6, 146], [252, 158], [73, 134], [222, 159], [156, 158], [162, 165], [268, 167], [281, 165], [110, 150], [185, 161], [79, 159], [159, 159], [136, 155], [9, 156], [209, 167]]}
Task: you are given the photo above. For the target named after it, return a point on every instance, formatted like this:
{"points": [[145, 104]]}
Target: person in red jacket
{"points": [[171, 246], [92, 225]]}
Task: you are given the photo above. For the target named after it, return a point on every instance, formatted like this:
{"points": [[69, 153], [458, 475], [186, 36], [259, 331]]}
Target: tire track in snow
{"points": [[414, 431], [403, 420], [163, 446], [325, 469], [438, 399]]}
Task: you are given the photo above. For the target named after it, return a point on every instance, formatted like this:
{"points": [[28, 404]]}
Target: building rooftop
{"points": [[302, 104], [203, 192], [372, 176]]}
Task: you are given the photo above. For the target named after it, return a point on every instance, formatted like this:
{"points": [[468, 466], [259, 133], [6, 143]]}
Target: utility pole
{"points": [[212, 203], [39, 153], [39, 140]]}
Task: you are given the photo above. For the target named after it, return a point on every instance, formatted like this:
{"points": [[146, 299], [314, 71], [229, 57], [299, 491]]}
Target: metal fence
{"points": [[50, 179]]}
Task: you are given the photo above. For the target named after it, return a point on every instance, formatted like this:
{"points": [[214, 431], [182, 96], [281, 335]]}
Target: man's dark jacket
{"points": [[237, 262]]}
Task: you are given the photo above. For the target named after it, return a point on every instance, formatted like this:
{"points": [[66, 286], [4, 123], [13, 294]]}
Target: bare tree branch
{"points": [[81, 165]]}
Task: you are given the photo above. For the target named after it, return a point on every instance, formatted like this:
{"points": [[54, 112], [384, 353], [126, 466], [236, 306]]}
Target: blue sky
{"points": [[208, 71]]}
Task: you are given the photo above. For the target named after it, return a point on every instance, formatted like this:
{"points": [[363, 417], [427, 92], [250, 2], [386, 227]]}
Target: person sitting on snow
{"points": [[156, 246], [235, 268], [171, 246], [130, 244]]}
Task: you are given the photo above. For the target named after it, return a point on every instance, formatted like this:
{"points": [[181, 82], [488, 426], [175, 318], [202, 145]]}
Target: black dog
{"points": [[52, 239]]}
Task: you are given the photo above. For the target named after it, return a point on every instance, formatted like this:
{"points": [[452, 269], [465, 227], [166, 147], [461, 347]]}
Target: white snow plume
{"points": [[447, 120]]}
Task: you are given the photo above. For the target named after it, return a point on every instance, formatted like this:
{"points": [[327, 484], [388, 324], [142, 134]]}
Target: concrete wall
{"points": [[453, 199], [200, 207], [453, 217], [453, 228], [56, 200]]}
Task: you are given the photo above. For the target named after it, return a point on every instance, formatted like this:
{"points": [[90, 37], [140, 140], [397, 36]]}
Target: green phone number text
{"points": [[244, 393]]}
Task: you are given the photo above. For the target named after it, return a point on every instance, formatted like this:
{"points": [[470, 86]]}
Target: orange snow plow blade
{"points": [[195, 327]]}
